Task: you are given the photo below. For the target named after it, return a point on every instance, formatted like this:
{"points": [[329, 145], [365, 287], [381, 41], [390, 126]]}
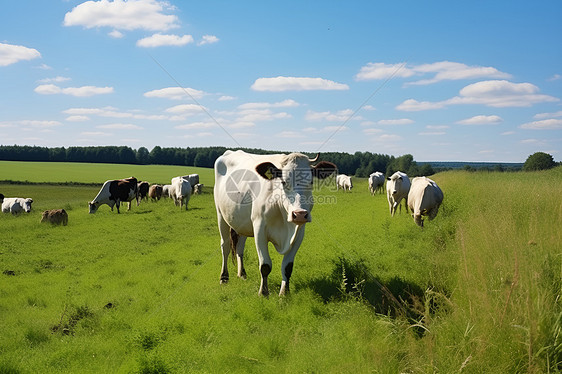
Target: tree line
{"points": [[360, 164]]}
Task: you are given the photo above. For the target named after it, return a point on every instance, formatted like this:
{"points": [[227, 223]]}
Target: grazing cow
{"points": [[55, 216], [16, 205], [113, 192], [167, 190], [198, 189], [424, 199], [143, 191], [343, 181], [397, 188], [180, 191], [268, 197], [155, 192], [376, 182]]}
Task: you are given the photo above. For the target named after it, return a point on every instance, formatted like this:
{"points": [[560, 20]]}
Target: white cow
{"points": [[376, 182], [397, 188], [270, 198], [166, 190], [424, 199], [344, 181], [180, 191], [16, 205], [193, 180]]}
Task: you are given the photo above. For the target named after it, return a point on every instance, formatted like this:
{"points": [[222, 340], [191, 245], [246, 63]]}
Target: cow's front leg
{"points": [[288, 261], [264, 261]]}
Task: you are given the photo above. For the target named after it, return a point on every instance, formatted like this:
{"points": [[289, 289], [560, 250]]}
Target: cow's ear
{"points": [[268, 171], [324, 169]]}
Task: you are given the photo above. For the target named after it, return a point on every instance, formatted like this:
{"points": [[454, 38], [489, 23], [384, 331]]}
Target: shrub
{"points": [[539, 161]]}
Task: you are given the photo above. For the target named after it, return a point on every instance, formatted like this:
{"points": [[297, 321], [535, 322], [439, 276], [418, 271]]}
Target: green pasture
{"points": [[67, 172], [478, 290]]}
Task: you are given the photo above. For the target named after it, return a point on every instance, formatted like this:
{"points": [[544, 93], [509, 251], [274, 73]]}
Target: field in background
{"points": [[65, 172], [477, 290]]}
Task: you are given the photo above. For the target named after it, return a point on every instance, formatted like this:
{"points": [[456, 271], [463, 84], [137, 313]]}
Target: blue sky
{"points": [[441, 80]]}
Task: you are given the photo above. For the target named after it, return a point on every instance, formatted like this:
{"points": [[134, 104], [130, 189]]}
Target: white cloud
{"points": [[10, 54], [187, 109], [196, 125], [401, 121], [84, 91], [279, 84], [437, 127], [495, 93], [43, 67], [116, 34], [548, 115], [122, 15], [339, 116], [176, 93], [37, 124], [256, 115], [507, 133], [289, 134], [160, 40], [226, 98], [546, 124], [77, 118], [441, 71], [372, 131], [432, 133], [120, 126], [57, 79], [555, 77], [208, 39], [481, 120], [282, 104]]}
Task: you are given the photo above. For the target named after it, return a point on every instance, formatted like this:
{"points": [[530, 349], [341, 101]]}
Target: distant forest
{"points": [[360, 164]]}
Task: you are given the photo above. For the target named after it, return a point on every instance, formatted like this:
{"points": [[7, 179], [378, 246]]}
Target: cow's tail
{"points": [[233, 243]]}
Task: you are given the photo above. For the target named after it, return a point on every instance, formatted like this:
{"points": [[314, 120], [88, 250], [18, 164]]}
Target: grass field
{"points": [[477, 290]]}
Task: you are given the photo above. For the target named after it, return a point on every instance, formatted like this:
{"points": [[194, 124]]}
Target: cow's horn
{"points": [[315, 158]]}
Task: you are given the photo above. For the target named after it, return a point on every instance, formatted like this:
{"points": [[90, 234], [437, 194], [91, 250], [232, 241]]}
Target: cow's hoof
{"points": [[224, 279]]}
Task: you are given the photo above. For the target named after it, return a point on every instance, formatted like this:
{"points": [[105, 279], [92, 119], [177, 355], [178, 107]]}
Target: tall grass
{"points": [[477, 290]]}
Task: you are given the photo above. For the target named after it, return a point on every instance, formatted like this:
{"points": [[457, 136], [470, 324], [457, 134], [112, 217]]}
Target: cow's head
{"points": [[94, 205], [27, 205], [395, 182], [292, 184]]}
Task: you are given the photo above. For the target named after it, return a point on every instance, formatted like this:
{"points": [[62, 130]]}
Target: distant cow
{"points": [[180, 191], [16, 205], [143, 191], [198, 189], [268, 197], [55, 216], [344, 181], [376, 182], [193, 180], [424, 199], [397, 188], [155, 192], [167, 190], [114, 192]]}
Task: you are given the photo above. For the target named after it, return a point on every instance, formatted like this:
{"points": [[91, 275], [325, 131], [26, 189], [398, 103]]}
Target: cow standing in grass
{"points": [[424, 199], [343, 181], [376, 182], [143, 191], [180, 191], [397, 188], [55, 216], [114, 192], [268, 197]]}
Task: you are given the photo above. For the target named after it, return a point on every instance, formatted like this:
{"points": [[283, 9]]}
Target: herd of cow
{"points": [[267, 197]]}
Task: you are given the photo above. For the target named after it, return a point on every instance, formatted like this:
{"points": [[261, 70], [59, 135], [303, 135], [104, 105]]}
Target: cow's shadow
{"points": [[394, 297]]}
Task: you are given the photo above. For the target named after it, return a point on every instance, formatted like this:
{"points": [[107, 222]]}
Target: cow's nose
{"points": [[300, 216]]}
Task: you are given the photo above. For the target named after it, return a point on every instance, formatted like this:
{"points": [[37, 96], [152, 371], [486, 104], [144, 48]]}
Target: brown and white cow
{"points": [[270, 198], [155, 192], [424, 199], [55, 216], [114, 192]]}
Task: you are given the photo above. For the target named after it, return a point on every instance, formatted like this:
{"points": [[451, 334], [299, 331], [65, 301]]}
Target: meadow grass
{"points": [[477, 290]]}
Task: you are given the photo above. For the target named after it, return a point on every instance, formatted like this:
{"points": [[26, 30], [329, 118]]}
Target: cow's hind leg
{"points": [[224, 231], [240, 255]]}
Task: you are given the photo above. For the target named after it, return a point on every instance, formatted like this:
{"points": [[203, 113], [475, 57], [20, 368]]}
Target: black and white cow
{"points": [[114, 192]]}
